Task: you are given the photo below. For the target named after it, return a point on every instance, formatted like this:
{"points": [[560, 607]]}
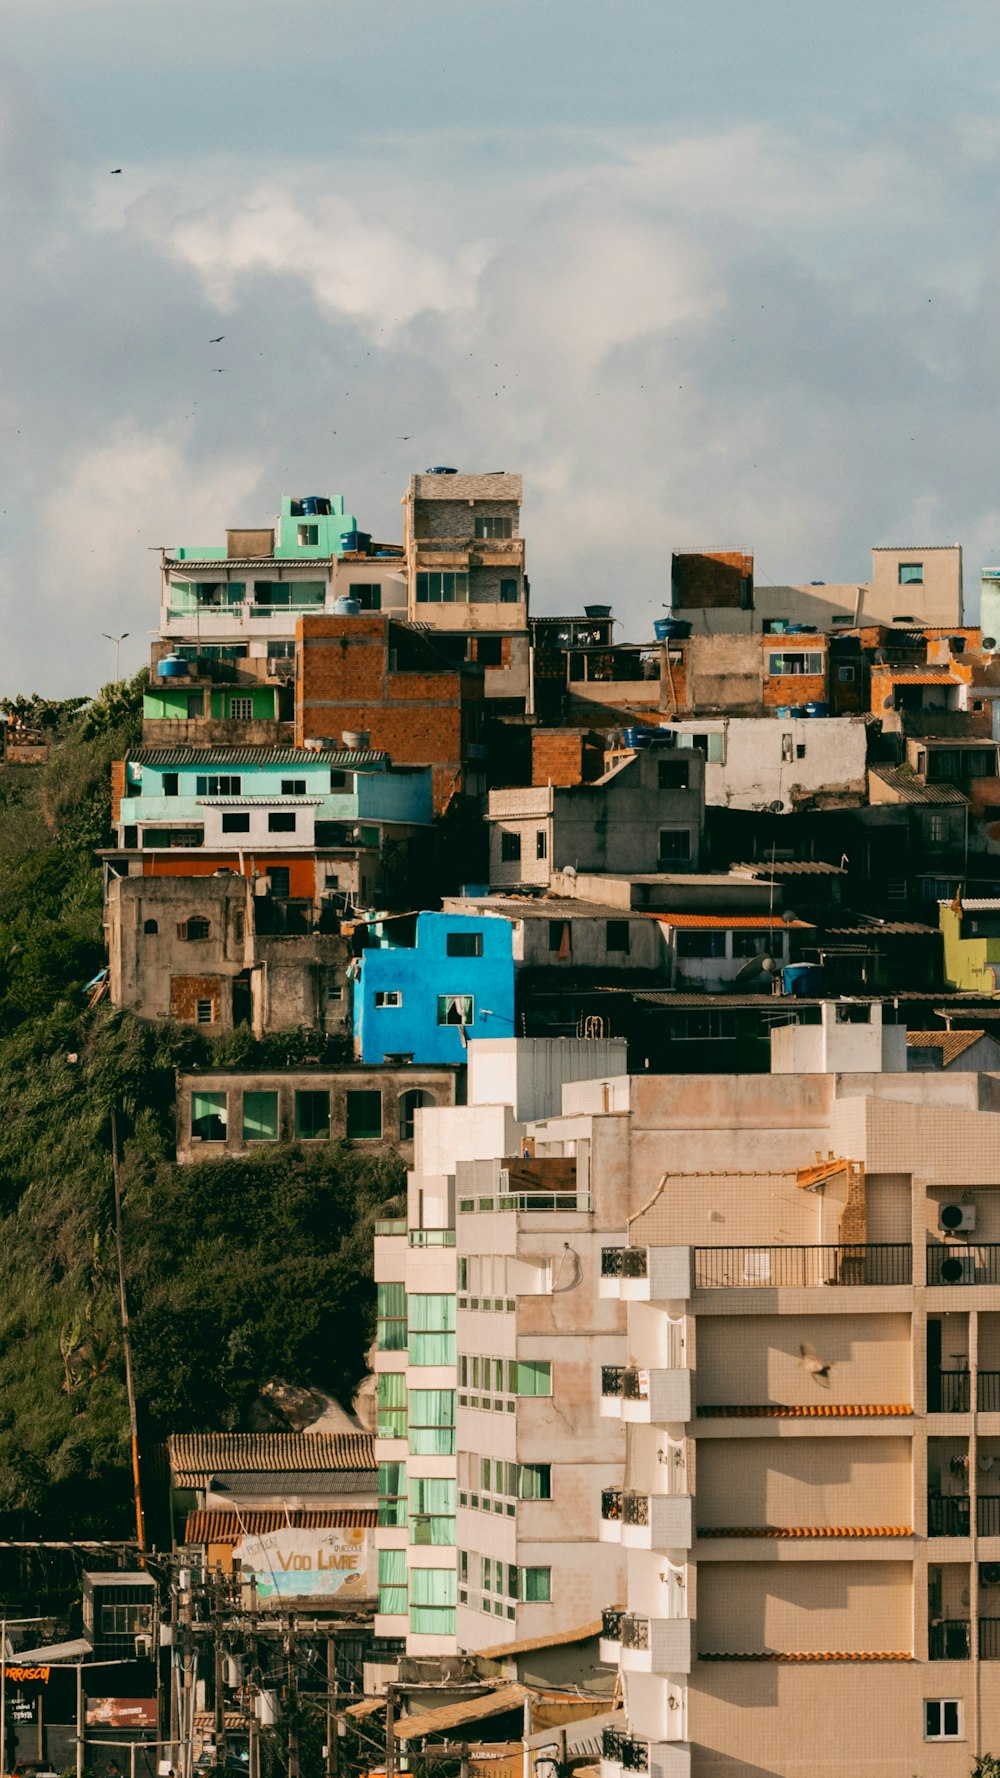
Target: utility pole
{"points": [[220, 1692], [253, 1727], [293, 1701], [126, 1342], [332, 1699], [390, 1731]]}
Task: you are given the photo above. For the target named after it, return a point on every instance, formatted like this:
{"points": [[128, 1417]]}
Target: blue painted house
{"points": [[424, 985]]}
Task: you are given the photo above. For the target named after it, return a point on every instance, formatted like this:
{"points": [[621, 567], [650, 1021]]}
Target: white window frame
{"points": [[941, 1705], [388, 997]]}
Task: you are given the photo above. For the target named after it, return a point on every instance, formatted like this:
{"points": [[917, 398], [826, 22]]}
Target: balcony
{"points": [[432, 1237], [656, 1645], [988, 1392], [621, 1753], [989, 1639], [973, 1262], [949, 1639], [395, 1225], [611, 1515], [948, 1515], [948, 1392], [645, 1396], [611, 1629], [657, 1521], [798, 1268], [624, 1751], [641, 1274]]}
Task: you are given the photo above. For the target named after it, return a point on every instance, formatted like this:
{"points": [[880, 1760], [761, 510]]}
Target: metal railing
{"points": [[635, 1509], [624, 1751], [988, 1515], [612, 1261], [948, 1515], [611, 1625], [612, 1379], [965, 1262], [948, 1392], [611, 1505], [989, 1639], [580, 1202], [881, 1262], [635, 1632], [988, 1392], [635, 1385], [432, 1237], [395, 1225], [950, 1640]]}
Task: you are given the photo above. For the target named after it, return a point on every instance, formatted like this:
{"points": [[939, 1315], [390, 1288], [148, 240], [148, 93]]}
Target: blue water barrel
{"points": [[671, 629], [439, 471], [802, 979], [799, 710], [314, 506], [783, 712], [816, 708], [356, 542], [634, 737], [173, 666], [345, 607]]}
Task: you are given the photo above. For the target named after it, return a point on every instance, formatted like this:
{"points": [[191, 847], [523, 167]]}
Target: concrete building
{"points": [[971, 929], [223, 1113], [782, 763], [467, 1287], [424, 986], [644, 814], [913, 586], [707, 952], [560, 932]]}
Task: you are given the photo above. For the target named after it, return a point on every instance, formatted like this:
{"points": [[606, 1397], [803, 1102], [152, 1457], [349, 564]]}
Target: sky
{"points": [[708, 273]]}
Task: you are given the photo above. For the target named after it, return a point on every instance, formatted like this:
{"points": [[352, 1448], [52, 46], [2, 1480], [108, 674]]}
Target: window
{"points": [[391, 1405], [293, 787], [432, 1601], [701, 944], [392, 1595], [367, 593], [281, 821], [675, 845], [391, 1495], [130, 838], [260, 1117], [942, 1719], [489, 651], [800, 750], [783, 666], [150, 927], [560, 938], [388, 997], [529, 1376], [464, 944], [911, 574], [534, 1584], [442, 589], [126, 1620], [209, 1116], [510, 848], [241, 709], [312, 1116], [409, 1103], [616, 936], [497, 526], [432, 1329], [787, 744], [936, 829], [846, 675], [391, 1325], [171, 782], [308, 536], [455, 1009], [341, 780], [532, 1481], [280, 878], [696, 1027], [204, 1012], [753, 943], [432, 1510], [672, 774], [364, 1115], [712, 744], [215, 784], [236, 821], [541, 843], [432, 1422], [904, 617], [195, 928], [508, 592]]}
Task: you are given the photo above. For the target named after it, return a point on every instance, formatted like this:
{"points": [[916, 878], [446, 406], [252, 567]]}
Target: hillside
{"points": [[216, 1255]]}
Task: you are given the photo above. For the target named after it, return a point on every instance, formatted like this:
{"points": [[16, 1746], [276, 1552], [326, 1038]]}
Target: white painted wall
{"points": [[755, 771]]}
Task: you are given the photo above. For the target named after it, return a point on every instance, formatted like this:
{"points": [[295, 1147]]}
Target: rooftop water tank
{"points": [[314, 506], [356, 740], [671, 629], [346, 607], [173, 666], [817, 708], [802, 979], [356, 542], [440, 471], [597, 611]]}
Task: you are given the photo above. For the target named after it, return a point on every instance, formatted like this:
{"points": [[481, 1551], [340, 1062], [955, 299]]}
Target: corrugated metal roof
{"points": [[789, 1003], [218, 563], [915, 675], [372, 758], [892, 927], [739, 922], [791, 867], [528, 1644], [258, 802], [224, 1525], [449, 1716], [912, 790], [194, 1456], [275, 1483], [977, 904]]}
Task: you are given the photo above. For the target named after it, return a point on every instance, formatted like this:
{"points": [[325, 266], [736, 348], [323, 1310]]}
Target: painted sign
{"points": [[330, 1559], [18, 1675], [121, 1713]]}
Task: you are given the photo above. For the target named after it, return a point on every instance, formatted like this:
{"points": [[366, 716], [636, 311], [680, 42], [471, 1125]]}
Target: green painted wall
{"points": [[330, 529], [264, 699]]}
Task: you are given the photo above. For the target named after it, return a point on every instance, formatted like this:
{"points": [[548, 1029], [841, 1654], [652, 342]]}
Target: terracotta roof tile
{"points": [[809, 1411], [226, 1525], [740, 922], [195, 1456], [952, 1044], [805, 1531]]}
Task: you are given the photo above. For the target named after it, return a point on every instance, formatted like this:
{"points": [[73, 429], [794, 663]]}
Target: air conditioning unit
{"points": [[280, 667], [989, 1574], [958, 1268], [503, 1177], [143, 1648], [957, 1219]]}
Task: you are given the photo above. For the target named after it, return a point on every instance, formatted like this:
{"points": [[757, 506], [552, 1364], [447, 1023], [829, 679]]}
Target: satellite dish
{"points": [[753, 967], [776, 808], [880, 656], [788, 918], [569, 870], [989, 641], [887, 702]]}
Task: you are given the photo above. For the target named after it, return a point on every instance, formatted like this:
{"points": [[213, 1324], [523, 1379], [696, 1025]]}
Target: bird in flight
{"points": [[404, 437], [217, 340], [220, 370], [817, 1367], [115, 170]]}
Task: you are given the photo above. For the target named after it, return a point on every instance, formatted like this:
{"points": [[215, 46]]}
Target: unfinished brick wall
{"points": [[187, 990], [718, 579], [557, 756], [117, 787]]}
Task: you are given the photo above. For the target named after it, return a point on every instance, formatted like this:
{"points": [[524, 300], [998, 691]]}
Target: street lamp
{"points": [[117, 640]]}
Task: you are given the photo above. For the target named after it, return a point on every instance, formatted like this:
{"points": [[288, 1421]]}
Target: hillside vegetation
{"points": [[237, 1271]]}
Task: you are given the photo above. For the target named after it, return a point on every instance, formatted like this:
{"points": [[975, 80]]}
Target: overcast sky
{"points": [[707, 272]]}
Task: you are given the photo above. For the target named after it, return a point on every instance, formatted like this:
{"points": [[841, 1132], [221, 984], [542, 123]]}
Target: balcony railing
{"points": [[635, 1509], [948, 1392], [432, 1237], [611, 1505], [635, 1632], [949, 1640], [783, 1268], [624, 1751], [988, 1515], [612, 1379], [623, 1262], [948, 1515], [973, 1262], [989, 1639], [524, 1201], [988, 1392], [635, 1385], [611, 1625], [395, 1225]]}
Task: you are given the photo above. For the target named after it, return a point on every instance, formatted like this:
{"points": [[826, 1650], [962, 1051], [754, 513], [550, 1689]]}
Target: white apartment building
{"points": [[471, 1493]]}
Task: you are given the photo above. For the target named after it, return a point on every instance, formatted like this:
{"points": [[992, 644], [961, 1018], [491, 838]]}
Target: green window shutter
{"points": [[209, 1116], [392, 1493], [392, 1405], [431, 1325], [535, 1584], [312, 1116], [260, 1117], [391, 1333], [432, 1510], [392, 1582], [432, 1422], [433, 1593], [530, 1376], [364, 1116]]}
